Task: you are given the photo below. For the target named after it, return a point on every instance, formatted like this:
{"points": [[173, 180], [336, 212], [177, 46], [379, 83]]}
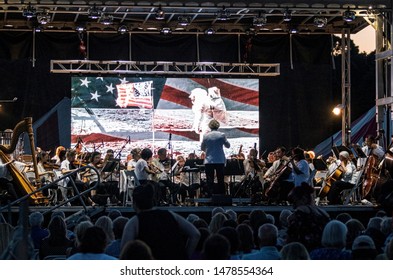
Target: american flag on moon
{"points": [[135, 95]]}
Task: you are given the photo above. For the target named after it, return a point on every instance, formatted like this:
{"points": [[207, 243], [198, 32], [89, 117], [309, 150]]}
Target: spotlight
{"points": [[166, 31], [210, 31], [38, 29], [94, 12], [29, 11], [160, 14], [349, 15], [122, 29], [287, 15], [337, 110], [223, 14], [293, 30], [106, 19], [43, 18], [80, 29], [259, 20], [183, 20], [320, 22]]}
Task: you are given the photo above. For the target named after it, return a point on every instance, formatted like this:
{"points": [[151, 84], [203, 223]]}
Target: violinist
{"points": [[56, 158], [142, 168], [136, 155], [254, 166], [67, 166], [43, 165], [187, 181], [347, 181], [164, 164]]}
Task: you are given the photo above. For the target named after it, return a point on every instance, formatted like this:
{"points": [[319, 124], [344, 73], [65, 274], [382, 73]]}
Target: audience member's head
{"points": [[216, 222], [334, 235], [386, 225], [106, 224], [118, 226], [363, 248], [355, 228], [231, 234], [294, 251], [94, 240], [192, 217], [80, 230], [267, 235], [230, 223], [113, 214], [36, 219], [57, 229], [242, 217], [136, 250], [343, 217], [270, 219], [231, 214], [284, 214], [216, 247], [217, 210], [246, 243]]}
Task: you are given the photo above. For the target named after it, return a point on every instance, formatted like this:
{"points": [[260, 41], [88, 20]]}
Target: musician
{"points": [[56, 158], [142, 168], [300, 167], [347, 181], [164, 164], [136, 155], [254, 166], [371, 148], [67, 166], [188, 181], [212, 144]]}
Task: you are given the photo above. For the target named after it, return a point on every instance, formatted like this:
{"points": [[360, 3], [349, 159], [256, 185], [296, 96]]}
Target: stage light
{"points": [[94, 12], [122, 29], [80, 29], [337, 110], [210, 31], [43, 18], [223, 14], [287, 15], [29, 11], [166, 31], [320, 22], [293, 30], [160, 14], [349, 15], [38, 29], [106, 19], [259, 20], [183, 20]]}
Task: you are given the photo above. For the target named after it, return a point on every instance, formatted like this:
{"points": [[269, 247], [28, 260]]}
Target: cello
{"points": [[371, 175]]}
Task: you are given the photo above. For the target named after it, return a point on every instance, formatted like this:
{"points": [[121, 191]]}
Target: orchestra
{"points": [[179, 180]]}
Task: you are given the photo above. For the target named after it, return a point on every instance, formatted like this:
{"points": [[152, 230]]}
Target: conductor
{"points": [[212, 144]]}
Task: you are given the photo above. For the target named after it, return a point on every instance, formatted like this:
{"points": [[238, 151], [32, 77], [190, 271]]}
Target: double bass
{"points": [[371, 175], [283, 171]]}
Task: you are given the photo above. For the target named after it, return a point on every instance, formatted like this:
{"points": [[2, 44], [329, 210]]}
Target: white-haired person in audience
{"points": [[283, 227], [363, 248], [267, 237], [37, 232], [216, 222], [334, 239], [106, 224], [79, 231], [294, 251]]}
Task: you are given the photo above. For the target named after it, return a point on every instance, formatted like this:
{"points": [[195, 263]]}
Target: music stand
{"points": [[337, 149], [319, 164], [110, 165], [234, 167], [359, 152], [193, 163]]}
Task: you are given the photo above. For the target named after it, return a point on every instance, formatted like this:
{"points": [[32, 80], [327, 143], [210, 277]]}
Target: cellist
{"points": [[370, 148], [347, 181]]}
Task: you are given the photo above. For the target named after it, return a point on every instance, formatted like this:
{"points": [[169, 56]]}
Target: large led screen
{"points": [[122, 113]]}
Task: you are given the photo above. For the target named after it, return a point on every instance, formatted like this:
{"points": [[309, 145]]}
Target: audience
{"points": [[294, 251], [136, 250], [37, 233], [216, 247]]}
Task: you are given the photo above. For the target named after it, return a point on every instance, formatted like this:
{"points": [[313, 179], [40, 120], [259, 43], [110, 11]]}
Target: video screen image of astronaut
{"points": [[122, 113]]}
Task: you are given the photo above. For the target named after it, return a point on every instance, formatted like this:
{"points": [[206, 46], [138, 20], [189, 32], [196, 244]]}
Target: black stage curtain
{"points": [[294, 107]]}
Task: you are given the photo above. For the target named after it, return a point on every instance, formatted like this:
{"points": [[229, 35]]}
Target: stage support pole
{"points": [[346, 86]]}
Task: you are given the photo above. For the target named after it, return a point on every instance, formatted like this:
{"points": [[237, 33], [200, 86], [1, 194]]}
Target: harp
{"points": [[22, 185]]}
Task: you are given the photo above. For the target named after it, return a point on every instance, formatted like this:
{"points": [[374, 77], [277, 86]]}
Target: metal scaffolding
{"points": [[114, 67]]}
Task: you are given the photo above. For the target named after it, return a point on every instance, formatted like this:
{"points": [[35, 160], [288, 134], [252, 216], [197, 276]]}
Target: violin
{"points": [[50, 165]]}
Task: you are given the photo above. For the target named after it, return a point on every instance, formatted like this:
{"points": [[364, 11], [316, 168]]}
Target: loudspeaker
{"points": [[221, 200]]}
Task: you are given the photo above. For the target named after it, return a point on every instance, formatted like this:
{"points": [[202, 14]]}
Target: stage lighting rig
{"points": [[223, 14], [259, 20], [43, 17], [183, 20], [349, 15], [94, 12], [320, 22], [287, 15], [160, 14], [210, 31], [29, 11], [122, 29]]}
